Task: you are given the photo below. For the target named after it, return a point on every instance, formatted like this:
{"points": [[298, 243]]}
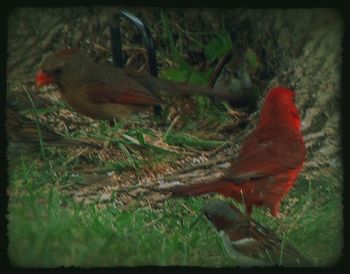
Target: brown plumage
{"points": [[105, 92], [249, 239]]}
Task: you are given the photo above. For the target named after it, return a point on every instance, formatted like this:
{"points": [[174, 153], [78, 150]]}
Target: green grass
{"points": [[48, 229], [312, 219], [54, 231]]}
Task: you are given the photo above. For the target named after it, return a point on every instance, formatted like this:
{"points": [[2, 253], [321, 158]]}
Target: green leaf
{"points": [[131, 159], [140, 137], [252, 59], [218, 47], [198, 78], [202, 104], [131, 139], [180, 74]]}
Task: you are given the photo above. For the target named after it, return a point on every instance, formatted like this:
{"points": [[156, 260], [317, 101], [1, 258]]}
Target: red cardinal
{"points": [[270, 158], [105, 92], [248, 241]]}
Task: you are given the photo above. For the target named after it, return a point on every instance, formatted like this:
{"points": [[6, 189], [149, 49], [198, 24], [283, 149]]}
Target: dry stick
{"points": [[206, 165], [190, 37], [216, 150], [182, 175], [74, 156], [154, 186], [171, 127], [186, 174], [212, 163], [173, 149], [218, 68], [192, 32]]}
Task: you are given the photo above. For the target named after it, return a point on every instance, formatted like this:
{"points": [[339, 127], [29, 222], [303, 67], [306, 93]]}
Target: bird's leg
{"points": [[275, 208], [112, 123], [125, 124], [248, 209]]}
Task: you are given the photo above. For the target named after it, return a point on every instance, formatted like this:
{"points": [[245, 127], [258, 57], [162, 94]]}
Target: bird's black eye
{"points": [[57, 71]]}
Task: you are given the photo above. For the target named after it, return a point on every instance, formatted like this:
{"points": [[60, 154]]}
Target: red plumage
{"points": [[270, 158]]}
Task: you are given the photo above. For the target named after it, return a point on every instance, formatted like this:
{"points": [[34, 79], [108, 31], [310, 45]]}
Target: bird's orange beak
{"points": [[43, 79]]}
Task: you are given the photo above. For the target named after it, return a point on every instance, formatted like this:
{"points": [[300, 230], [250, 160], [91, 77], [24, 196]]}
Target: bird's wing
{"points": [[21, 129], [121, 92], [263, 156]]}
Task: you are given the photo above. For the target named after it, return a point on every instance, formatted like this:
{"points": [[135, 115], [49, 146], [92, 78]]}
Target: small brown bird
{"points": [[249, 242], [23, 134], [105, 92]]}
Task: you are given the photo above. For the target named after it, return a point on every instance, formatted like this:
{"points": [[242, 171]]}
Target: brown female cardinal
{"points": [[248, 241], [270, 158], [106, 92]]}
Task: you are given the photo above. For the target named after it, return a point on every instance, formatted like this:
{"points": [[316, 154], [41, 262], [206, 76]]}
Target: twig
{"points": [[218, 68], [216, 150], [206, 165], [171, 127], [75, 156]]}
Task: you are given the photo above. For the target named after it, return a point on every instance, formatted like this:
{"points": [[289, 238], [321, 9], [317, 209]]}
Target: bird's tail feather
{"points": [[199, 189], [166, 87]]}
